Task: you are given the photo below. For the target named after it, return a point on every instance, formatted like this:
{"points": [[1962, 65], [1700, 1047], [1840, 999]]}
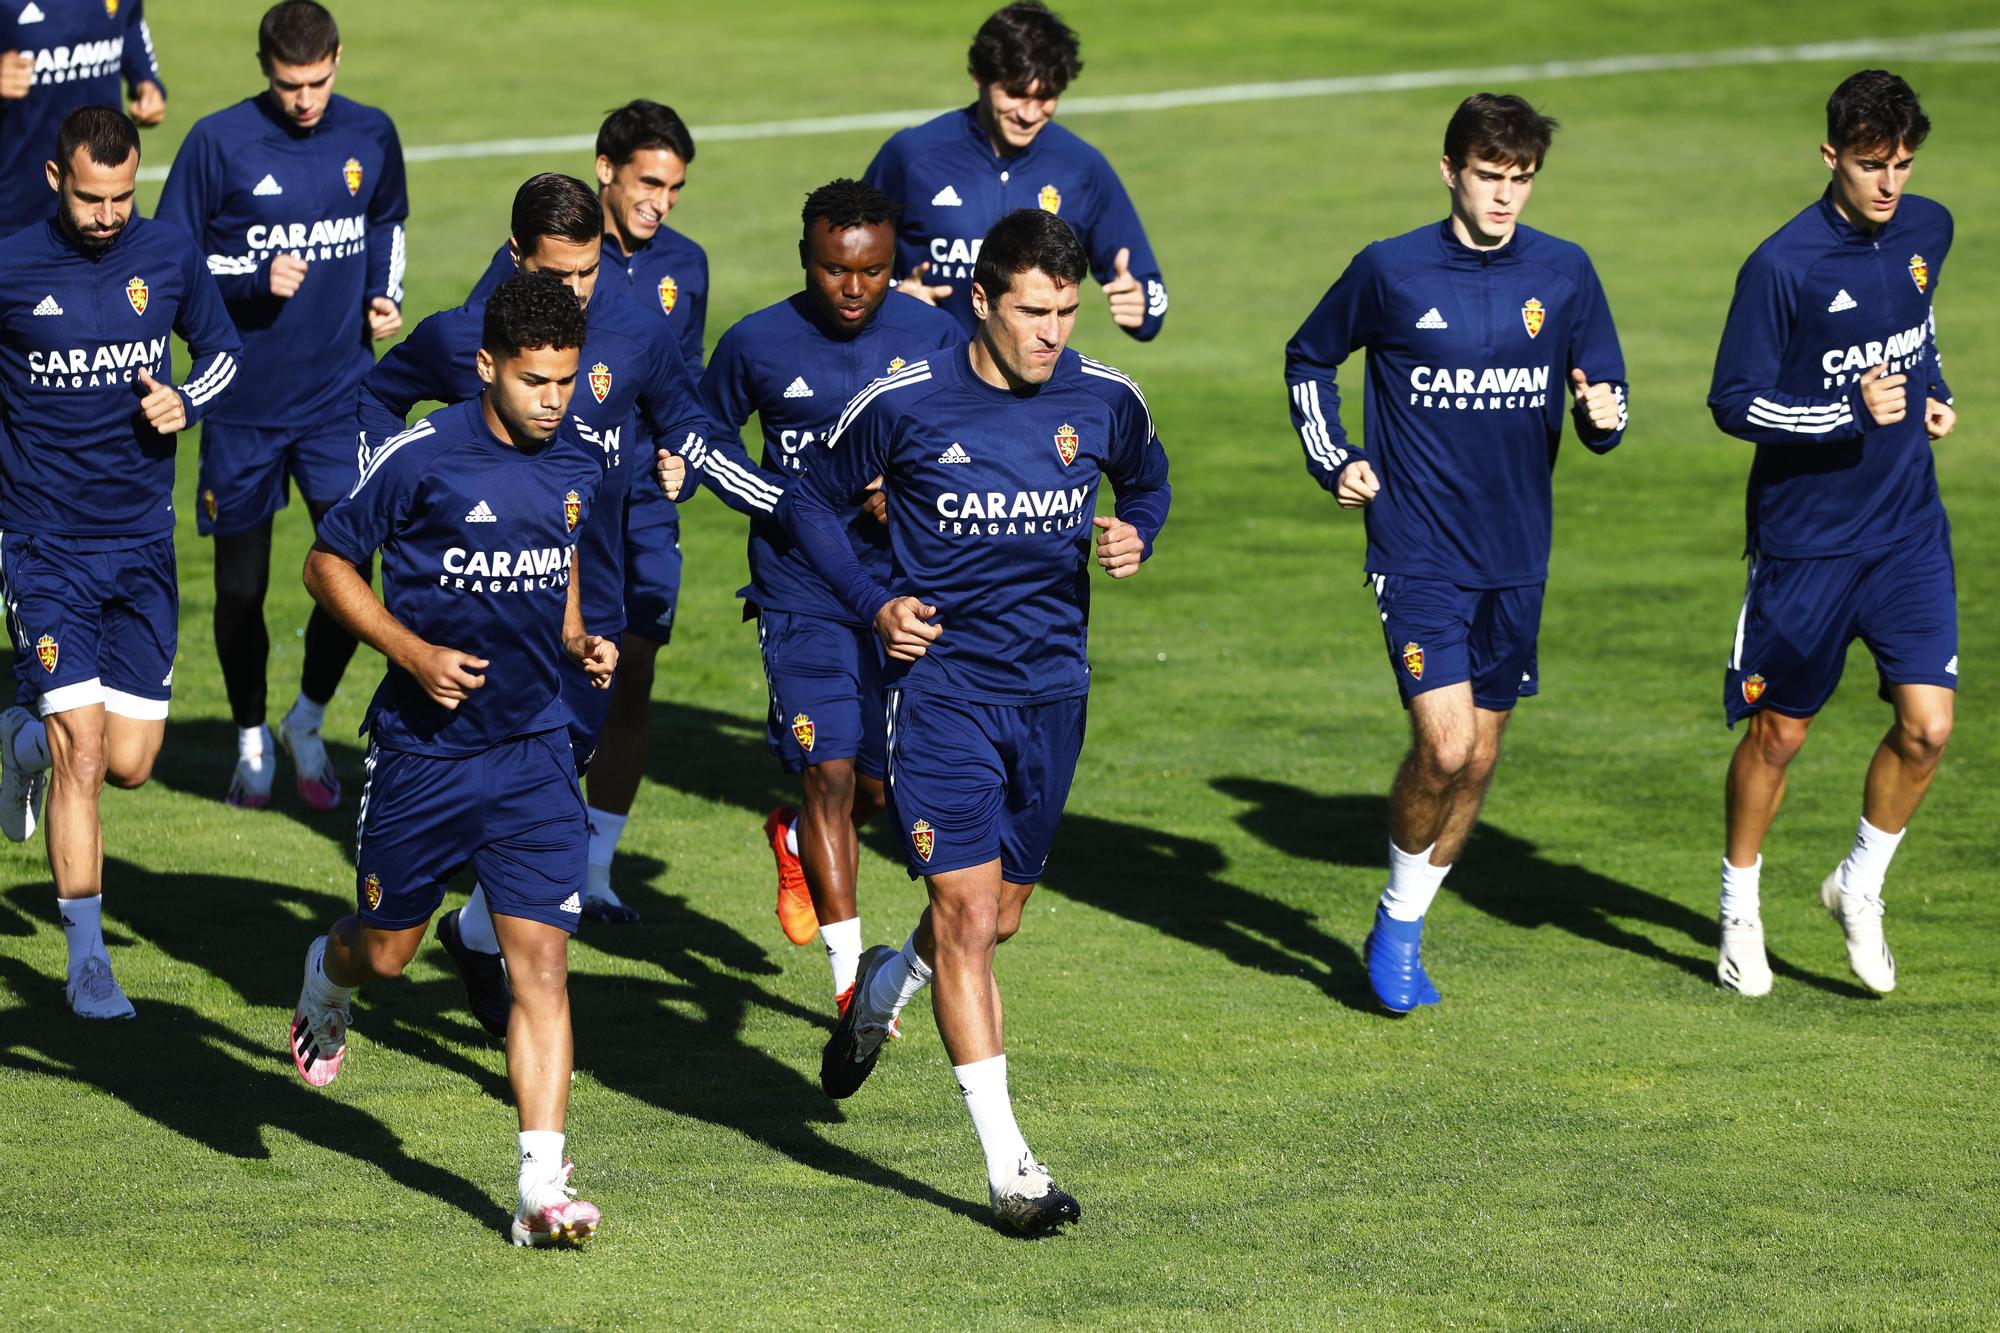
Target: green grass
{"points": [[1587, 1134]]}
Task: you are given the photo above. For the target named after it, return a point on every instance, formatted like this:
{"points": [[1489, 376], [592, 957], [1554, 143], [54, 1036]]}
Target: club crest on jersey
{"points": [[1532, 315], [208, 504], [1920, 273], [1050, 199], [371, 888], [136, 293], [924, 838], [46, 650], [1066, 442], [1753, 688], [572, 510], [897, 365], [802, 731], [1413, 660], [670, 294], [600, 381]]}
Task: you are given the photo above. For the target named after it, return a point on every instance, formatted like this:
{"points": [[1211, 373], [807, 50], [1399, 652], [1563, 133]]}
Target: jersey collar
{"points": [[1846, 232], [1458, 254]]}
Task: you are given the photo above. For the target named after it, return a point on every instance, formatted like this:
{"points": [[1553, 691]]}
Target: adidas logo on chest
{"points": [[1842, 301], [482, 513], [798, 388], [268, 186]]}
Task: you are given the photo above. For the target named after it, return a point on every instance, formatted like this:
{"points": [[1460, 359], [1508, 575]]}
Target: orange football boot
{"points": [[795, 904]]}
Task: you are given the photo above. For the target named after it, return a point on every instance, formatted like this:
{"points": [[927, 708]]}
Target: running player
{"points": [[297, 195], [88, 415], [634, 379], [954, 176], [476, 510], [796, 364], [56, 56], [1475, 326], [992, 454], [643, 152], [1829, 366]]}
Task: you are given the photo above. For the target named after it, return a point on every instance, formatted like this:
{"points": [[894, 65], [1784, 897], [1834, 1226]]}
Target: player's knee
{"points": [[830, 788], [966, 925], [129, 771], [1776, 739], [870, 799], [1444, 759], [78, 758], [386, 955], [1923, 736], [240, 583], [1008, 925]]}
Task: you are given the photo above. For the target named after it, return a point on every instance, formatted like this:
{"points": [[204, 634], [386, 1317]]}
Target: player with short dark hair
{"points": [[89, 301], [477, 510], [57, 56], [298, 197], [1829, 365], [795, 365], [1475, 327], [643, 152], [992, 454], [955, 175]]}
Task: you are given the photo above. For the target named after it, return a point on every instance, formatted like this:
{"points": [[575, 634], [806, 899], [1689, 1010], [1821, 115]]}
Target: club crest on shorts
{"points": [[136, 293], [600, 381], [1532, 316], [371, 889], [208, 504], [350, 172], [1050, 199], [670, 294], [924, 838], [1413, 659], [46, 650], [802, 731], [111, 9], [1753, 688], [572, 510], [1920, 273], [1066, 442], [897, 365]]}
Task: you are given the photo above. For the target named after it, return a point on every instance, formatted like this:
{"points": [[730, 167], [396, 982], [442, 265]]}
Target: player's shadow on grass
{"points": [[200, 754], [716, 756], [1173, 884], [190, 1074], [1501, 875]]}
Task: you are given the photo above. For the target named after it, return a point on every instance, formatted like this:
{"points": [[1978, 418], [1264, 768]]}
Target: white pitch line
{"points": [[1941, 46]]}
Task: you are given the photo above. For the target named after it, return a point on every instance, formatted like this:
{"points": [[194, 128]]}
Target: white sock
{"points": [[1739, 890], [1861, 873], [83, 927], [253, 742], [792, 837], [310, 715], [31, 747], [897, 982], [605, 831], [1413, 883], [475, 923], [541, 1156], [843, 950], [322, 987], [984, 1083]]}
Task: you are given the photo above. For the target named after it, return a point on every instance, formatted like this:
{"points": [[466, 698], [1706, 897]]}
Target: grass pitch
{"points": [[1586, 1134]]}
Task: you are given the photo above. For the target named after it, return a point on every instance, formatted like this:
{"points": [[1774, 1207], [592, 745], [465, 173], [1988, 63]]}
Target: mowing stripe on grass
{"points": [[1939, 45]]}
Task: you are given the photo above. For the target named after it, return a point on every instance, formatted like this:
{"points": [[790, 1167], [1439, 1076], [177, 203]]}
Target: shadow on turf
{"points": [[1501, 875], [200, 754]]}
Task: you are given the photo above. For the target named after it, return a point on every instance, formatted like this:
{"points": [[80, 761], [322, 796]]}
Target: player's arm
{"points": [[1940, 417], [214, 351], [1742, 395], [695, 329], [141, 68], [388, 246], [1339, 325], [598, 656], [714, 459], [1597, 382], [415, 370], [1138, 471], [1121, 259], [192, 195]]}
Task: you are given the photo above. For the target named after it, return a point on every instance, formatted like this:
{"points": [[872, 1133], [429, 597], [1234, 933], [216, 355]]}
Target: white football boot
{"points": [[319, 785], [1742, 965], [20, 790], [551, 1214], [1860, 918], [250, 786], [93, 992]]}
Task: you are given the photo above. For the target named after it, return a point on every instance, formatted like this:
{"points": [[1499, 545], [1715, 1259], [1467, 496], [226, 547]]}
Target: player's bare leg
{"points": [[1433, 805], [348, 955], [88, 748], [615, 771], [540, 1056], [1754, 791], [838, 800]]}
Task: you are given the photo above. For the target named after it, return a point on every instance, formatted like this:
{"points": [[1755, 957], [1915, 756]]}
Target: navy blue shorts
{"points": [[969, 782], [243, 471], [652, 562], [91, 627], [588, 707], [1439, 634], [826, 691], [1799, 616], [513, 813]]}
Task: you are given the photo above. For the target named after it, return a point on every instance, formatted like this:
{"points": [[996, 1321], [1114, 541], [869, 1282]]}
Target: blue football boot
{"points": [[1395, 967]]}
